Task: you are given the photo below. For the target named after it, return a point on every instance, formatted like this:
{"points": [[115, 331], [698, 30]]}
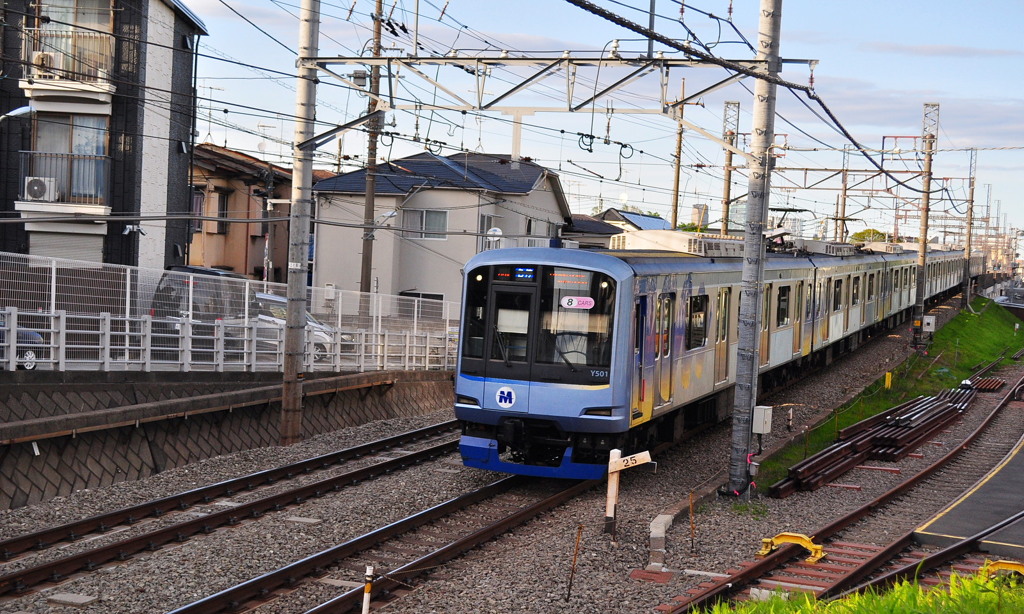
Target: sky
{"points": [[876, 67]]}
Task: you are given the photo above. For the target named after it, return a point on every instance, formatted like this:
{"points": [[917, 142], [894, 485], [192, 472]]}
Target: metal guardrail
{"points": [[87, 316], [75, 342]]}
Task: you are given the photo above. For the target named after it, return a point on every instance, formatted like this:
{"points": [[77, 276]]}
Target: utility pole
{"points": [[298, 227], [730, 128], [679, 147], [931, 127], [966, 292], [759, 184], [366, 270]]}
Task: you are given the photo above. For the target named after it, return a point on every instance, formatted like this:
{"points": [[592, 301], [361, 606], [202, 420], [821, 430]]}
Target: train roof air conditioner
{"points": [[41, 188], [42, 65]]}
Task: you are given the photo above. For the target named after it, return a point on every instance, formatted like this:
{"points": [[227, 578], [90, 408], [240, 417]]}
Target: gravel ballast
{"points": [[527, 570]]}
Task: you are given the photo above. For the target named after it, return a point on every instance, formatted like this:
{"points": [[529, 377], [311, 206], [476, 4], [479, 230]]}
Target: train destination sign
{"points": [[577, 302]]}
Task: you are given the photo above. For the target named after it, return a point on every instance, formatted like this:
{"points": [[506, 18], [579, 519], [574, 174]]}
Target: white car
{"points": [[273, 311]]}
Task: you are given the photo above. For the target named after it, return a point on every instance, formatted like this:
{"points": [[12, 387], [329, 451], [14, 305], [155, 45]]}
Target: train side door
{"points": [[664, 325], [798, 315], [824, 306], [765, 324], [722, 334], [643, 371], [509, 348]]}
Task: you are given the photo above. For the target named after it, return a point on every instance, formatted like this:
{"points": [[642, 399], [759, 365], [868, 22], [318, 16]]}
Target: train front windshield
{"points": [[538, 322]]}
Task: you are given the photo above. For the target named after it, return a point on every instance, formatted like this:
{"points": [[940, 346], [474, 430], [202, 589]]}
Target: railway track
{"points": [[90, 556], [856, 546], [402, 550]]}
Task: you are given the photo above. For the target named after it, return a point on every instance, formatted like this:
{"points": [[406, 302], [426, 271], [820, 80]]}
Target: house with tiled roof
{"points": [[230, 184], [432, 213]]}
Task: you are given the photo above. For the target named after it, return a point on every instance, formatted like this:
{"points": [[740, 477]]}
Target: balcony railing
{"points": [[67, 54], [64, 178]]}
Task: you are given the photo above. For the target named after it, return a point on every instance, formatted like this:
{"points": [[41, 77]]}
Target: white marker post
{"points": [[367, 589], [616, 463]]}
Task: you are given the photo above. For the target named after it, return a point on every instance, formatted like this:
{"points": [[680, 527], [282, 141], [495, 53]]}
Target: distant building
{"points": [[590, 232], [111, 87], [432, 213], [629, 220], [229, 184]]}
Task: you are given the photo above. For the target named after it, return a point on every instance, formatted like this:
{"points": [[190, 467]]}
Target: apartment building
{"points": [[98, 122]]}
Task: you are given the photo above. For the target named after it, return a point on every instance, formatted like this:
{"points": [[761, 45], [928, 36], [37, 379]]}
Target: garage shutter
{"points": [[66, 245]]}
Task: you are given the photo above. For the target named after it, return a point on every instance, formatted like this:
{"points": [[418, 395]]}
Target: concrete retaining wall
{"points": [[85, 435]]}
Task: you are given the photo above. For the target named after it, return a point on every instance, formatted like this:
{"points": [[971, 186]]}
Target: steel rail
{"points": [[101, 523], [786, 552], [384, 584], [59, 569], [258, 588]]}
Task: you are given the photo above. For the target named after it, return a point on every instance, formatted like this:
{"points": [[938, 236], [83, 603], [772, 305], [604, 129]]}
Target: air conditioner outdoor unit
{"points": [[43, 64], [41, 188]]}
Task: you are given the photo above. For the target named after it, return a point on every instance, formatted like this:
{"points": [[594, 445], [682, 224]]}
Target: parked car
{"points": [[195, 294], [29, 350], [273, 311]]}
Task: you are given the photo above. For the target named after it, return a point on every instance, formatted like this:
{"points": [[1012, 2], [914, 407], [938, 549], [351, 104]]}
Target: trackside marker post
{"points": [[367, 589], [616, 463]]}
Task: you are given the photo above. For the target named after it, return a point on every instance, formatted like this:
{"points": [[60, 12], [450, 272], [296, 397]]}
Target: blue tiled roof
{"points": [[646, 222], [466, 171], [639, 220]]}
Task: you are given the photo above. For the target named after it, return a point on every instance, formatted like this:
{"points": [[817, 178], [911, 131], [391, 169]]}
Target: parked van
{"points": [[199, 295]]}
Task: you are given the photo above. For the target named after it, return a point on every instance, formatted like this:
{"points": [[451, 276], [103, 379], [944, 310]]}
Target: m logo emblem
{"points": [[506, 397]]}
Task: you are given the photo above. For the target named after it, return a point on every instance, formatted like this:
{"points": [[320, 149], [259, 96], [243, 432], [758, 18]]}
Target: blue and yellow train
{"points": [[566, 354]]}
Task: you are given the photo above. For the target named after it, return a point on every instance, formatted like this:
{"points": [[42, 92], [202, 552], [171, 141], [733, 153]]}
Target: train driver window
{"points": [[575, 318], [696, 323], [782, 309], [511, 326]]}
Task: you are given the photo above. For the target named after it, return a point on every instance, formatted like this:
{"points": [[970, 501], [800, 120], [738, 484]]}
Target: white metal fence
{"points": [[73, 315]]}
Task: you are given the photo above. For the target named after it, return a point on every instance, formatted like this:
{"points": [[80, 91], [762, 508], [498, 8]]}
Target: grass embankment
{"points": [[964, 595], [966, 343]]}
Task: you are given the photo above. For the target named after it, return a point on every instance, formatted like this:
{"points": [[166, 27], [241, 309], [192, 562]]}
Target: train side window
{"points": [[855, 292], [871, 287], [766, 306], [809, 303], [782, 309], [696, 322], [663, 325], [474, 318], [837, 295]]}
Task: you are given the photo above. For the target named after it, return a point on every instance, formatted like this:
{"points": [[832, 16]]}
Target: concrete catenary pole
{"points": [[366, 268], [931, 126], [966, 292], [759, 183], [298, 229]]}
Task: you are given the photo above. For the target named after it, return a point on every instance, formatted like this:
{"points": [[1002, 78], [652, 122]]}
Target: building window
{"points": [[425, 223], [222, 198], [72, 150], [429, 306], [198, 202]]}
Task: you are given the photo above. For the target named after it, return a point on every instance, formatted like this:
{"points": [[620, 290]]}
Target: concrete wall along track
{"points": [[62, 436]]}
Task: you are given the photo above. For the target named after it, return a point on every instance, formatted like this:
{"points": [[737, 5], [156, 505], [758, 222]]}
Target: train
{"points": [[566, 354]]}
